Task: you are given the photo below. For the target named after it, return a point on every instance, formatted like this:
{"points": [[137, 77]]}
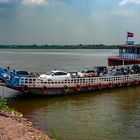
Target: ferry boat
{"points": [[127, 61]]}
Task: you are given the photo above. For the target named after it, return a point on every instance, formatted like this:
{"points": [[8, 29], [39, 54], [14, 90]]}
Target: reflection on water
{"points": [[101, 115]]}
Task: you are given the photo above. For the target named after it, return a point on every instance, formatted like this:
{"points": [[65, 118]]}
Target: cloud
{"points": [[5, 1], [34, 2], [124, 2], [123, 13]]}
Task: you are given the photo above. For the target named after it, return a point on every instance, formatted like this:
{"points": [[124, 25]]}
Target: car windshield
{"points": [[50, 73], [82, 70], [100, 68]]}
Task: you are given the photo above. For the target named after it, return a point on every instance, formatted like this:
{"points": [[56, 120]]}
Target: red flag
{"points": [[130, 34]]}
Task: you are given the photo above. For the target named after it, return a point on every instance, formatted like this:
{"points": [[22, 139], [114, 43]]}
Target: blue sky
{"points": [[68, 21]]}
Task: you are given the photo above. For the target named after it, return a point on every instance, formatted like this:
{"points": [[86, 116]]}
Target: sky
{"points": [[68, 22]]}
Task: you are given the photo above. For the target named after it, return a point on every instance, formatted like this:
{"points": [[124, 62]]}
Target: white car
{"points": [[55, 75], [87, 73]]}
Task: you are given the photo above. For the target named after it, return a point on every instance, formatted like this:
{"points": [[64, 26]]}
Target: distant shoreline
{"points": [[58, 46]]}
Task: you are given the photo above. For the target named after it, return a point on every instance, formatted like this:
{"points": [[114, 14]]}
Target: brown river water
{"points": [[112, 114]]}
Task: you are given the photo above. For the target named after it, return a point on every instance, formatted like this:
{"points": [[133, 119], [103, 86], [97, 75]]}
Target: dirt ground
{"points": [[13, 128]]}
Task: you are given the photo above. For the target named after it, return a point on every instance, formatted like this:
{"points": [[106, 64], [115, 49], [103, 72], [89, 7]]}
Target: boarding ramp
{"points": [[8, 78]]}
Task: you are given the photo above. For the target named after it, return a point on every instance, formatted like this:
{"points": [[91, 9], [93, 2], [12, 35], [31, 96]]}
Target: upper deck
{"points": [[127, 54]]}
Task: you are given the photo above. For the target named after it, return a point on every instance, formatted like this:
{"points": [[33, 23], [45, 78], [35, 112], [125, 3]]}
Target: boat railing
{"points": [[122, 66], [72, 82], [126, 56]]}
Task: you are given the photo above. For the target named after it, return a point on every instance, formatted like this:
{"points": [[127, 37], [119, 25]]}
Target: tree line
{"points": [[80, 46]]}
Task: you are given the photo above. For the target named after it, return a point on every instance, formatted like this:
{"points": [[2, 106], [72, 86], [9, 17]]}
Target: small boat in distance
{"points": [[123, 70]]}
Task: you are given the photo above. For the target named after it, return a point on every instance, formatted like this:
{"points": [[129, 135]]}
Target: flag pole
{"points": [[126, 38]]}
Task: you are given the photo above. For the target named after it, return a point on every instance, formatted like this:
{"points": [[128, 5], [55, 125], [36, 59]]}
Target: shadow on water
{"points": [[35, 101], [30, 102]]}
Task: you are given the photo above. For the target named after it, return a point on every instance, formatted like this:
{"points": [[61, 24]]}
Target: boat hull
{"points": [[54, 91], [73, 90]]}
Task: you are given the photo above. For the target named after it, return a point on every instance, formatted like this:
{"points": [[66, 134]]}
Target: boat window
{"points": [[138, 50], [135, 50], [121, 50], [126, 50], [131, 50]]}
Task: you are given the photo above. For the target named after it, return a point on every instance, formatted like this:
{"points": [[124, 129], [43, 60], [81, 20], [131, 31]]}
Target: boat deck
{"points": [[71, 85]]}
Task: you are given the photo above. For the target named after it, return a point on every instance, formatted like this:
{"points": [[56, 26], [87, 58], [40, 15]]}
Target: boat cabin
{"points": [[128, 54]]}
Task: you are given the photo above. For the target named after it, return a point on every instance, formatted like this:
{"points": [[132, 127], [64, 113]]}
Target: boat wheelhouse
{"points": [[128, 54]]}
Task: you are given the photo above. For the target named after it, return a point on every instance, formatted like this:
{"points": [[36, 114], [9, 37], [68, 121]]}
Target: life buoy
{"points": [[25, 89], [132, 83], [78, 87], [128, 84], [100, 86], [44, 89], [110, 85]]}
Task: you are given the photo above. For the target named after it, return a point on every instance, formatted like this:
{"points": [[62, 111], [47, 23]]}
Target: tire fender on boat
{"points": [[78, 87], [44, 89], [90, 87], [66, 89], [100, 86], [110, 85], [135, 82], [25, 89]]}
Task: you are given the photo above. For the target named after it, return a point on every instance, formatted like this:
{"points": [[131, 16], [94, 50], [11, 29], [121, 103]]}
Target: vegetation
{"points": [[80, 46], [2, 103], [55, 134], [7, 111]]}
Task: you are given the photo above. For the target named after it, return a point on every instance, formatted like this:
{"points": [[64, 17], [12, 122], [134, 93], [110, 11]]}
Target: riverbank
{"points": [[13, 126]]}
